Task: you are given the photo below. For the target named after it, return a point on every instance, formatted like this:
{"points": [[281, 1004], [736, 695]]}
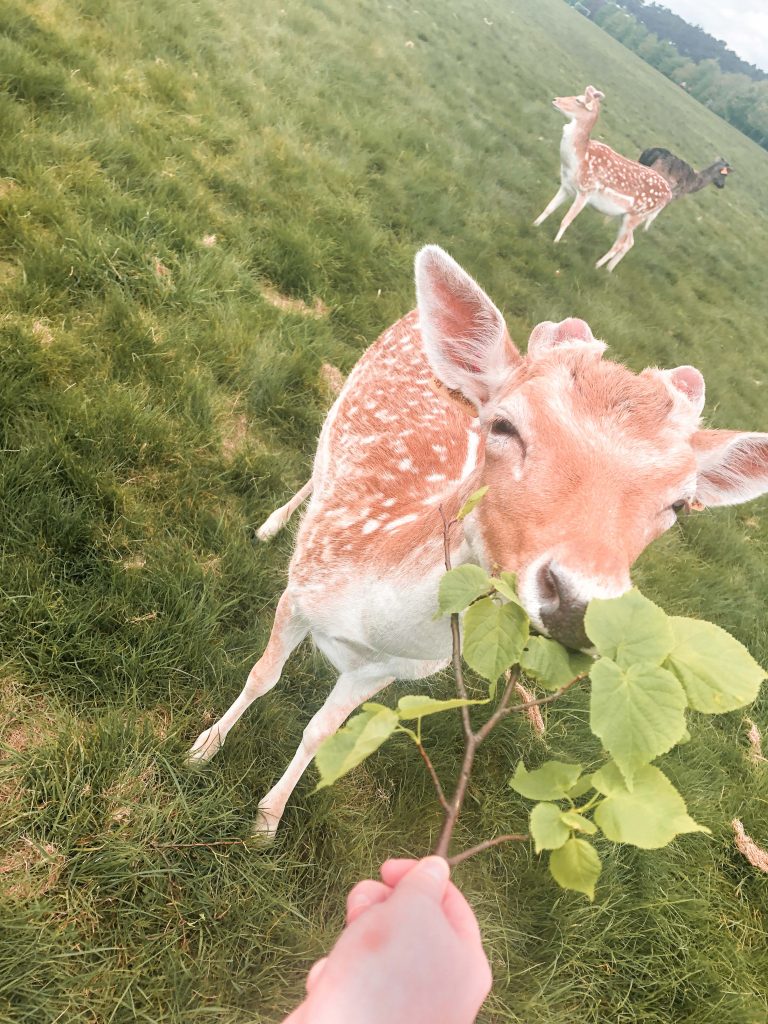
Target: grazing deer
{"points": [[599, 176], [586, 463], [681, 176]]}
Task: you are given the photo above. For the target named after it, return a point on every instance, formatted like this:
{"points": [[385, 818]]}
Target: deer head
{"points": [[587, 462], [580, 108], [722, 169]]}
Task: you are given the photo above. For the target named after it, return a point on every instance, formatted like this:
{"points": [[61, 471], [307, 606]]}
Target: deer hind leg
{"points": [[617, 245], [281, 515], [289, 629], [578, 205], [651, 219], [559, 199], [629, 241], [351, 690]]}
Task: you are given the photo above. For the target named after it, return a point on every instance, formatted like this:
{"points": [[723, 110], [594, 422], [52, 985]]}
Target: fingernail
{"points": [[436, 867], [358, 901]]}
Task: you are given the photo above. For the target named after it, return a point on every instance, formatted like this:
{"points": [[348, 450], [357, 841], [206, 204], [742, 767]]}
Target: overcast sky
{"points": [[743, 24]]}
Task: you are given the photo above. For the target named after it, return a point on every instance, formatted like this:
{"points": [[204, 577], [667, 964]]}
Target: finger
{"points": [[364, 895], [315, 971], [428, 878], [460, 915], [394, 869]]}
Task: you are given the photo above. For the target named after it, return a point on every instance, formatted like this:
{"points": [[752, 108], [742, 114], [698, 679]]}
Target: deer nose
{"points": [[561, 609]]}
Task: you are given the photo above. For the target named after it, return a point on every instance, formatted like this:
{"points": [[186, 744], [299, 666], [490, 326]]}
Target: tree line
{"points": [[700, 64]]}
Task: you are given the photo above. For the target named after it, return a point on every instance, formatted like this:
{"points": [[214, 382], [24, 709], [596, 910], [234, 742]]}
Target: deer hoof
{"points": [[205, 746], [265, 826]]}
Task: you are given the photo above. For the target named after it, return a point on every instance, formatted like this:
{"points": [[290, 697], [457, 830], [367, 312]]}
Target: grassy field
{"points": [[168, 171]]}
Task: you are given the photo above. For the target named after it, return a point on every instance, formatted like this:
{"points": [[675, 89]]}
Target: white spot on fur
{"points": [[396, 523]]}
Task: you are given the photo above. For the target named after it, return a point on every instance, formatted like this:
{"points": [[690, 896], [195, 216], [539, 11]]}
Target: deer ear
{"points": [[732, 466], [465, 337], [572, 332], [593, 94], [687, 381]]}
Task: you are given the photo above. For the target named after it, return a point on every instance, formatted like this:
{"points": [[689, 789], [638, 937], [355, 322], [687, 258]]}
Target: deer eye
{"points": [[680, 506], [506, 431], [503, 428]]}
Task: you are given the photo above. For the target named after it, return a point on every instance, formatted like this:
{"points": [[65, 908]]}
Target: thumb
{"points": [[429, 877]]}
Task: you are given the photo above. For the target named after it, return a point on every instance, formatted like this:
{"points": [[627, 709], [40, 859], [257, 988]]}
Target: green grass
{"points": [[150, 420]]}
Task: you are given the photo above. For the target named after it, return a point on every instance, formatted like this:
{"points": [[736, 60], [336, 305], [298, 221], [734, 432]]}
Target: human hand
{"points": [[410, 953]]}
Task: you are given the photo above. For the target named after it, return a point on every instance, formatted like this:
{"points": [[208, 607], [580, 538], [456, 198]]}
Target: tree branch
{"points": [[511, 837]]}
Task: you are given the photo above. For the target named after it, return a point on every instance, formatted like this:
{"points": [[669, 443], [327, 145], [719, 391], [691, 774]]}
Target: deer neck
{"points": [[575, 143], [703, 178]]}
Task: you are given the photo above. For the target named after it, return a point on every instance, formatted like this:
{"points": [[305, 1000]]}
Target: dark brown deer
{"points": [[681, 176]]}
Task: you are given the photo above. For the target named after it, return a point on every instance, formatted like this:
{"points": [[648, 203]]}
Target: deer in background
{"points": [[586, 463], [681, 176], [598, 176]]}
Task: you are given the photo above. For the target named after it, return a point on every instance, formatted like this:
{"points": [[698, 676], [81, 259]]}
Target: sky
{"points": [[743, 24]]}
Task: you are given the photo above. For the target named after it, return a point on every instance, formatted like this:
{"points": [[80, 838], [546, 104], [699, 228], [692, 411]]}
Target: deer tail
{"points": [[281, 515]]}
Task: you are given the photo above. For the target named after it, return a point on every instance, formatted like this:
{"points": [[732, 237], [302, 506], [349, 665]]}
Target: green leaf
{"points": [[345, 750], [575, 820], [638, 713], [581, 663], [582, 786], [717, 672], [576, 866], [650, 816], [547, 662], [552, 781], [629, 629], [505, 584], [415, 706], [472, 502], [494, 636], [460, 587], [547, 829]]}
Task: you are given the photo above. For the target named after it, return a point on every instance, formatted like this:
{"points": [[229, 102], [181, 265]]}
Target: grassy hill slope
{"points": [[168, 171]]}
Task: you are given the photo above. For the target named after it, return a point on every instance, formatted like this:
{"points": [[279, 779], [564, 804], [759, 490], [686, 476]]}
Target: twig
{"points": [[438, 788], [512, 837], [544, 700], [501, 708], [472, 740], [455, 804], [457, 800], [458, 670]]}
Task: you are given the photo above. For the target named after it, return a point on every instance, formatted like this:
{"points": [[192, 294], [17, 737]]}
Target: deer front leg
{"points": [[560, 197], [578, 205], [351, 690]]}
